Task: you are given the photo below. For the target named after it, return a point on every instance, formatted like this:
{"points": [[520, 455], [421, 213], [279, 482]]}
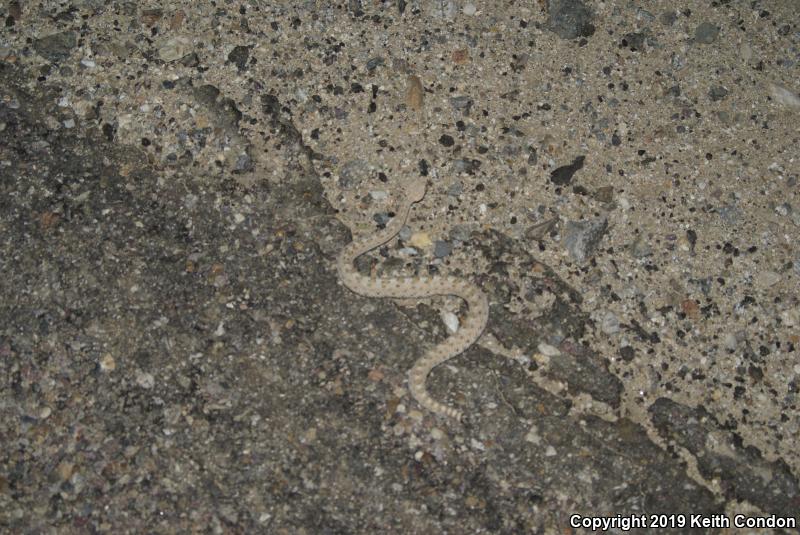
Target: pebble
{"points": [[706, 33], [783, 209], [717, 93], [450, 321], [533, 436], [405, 233], [668, 18], [175, 48], [414, 93], [381, 218], [107, 363], [562, 176], [548, 350], [239, 57], [470, 9], [783, 96], [463, 165], [582, 237], [570, 19], [442, 248], [375, 62], [56, 47], [460, 233], [461, 103], [455, 189], [420, 240], [145, 380], [609, 323]]}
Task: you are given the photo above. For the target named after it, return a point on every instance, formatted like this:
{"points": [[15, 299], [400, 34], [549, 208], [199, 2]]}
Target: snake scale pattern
{"points": [[417, 287]]}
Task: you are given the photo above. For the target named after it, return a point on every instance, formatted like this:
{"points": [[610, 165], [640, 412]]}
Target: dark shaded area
{"points": [[741, 468]]}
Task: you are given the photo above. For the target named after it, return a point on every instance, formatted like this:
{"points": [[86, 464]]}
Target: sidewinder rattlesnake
{"points": [[417, 287]]}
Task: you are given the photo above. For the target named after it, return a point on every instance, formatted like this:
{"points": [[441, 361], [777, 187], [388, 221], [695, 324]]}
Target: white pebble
{"points": [[145, 380], [533, 437], [450, 321], [609, 324], [548, 350], [783, 96]]}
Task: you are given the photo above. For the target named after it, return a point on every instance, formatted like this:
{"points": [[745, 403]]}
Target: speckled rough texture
{"points": [[177, 179]]}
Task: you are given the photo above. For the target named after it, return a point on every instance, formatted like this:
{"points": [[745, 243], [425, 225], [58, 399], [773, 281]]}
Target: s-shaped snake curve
{"points": [[417, 287]]}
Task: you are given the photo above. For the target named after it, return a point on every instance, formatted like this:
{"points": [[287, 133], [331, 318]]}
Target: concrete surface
{"points": [[177, 178]]}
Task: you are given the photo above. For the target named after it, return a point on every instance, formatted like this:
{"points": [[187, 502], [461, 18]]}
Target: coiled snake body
{"points": [[417, 287]]}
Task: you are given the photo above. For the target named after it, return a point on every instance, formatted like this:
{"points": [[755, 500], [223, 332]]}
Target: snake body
{"points": [[417, 287]]}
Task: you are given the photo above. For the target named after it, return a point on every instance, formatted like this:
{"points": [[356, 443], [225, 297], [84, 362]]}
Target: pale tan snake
{"points": [[417, 287]]}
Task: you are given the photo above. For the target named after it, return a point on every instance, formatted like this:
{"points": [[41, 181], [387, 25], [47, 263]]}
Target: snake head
{"points": [[415, 189]]}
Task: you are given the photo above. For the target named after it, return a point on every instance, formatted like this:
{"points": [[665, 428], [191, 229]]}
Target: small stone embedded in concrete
{"points": [[175, 48], [374, 63], [239, 56], [56, 47], [717, 93], [421, 240], [382, 218], [451, 321], [784, 96], [609, 323], [562, 176], [581, 238], [442, 248], [570, 19], [414, 93], [706, 33], [145, 380]]}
